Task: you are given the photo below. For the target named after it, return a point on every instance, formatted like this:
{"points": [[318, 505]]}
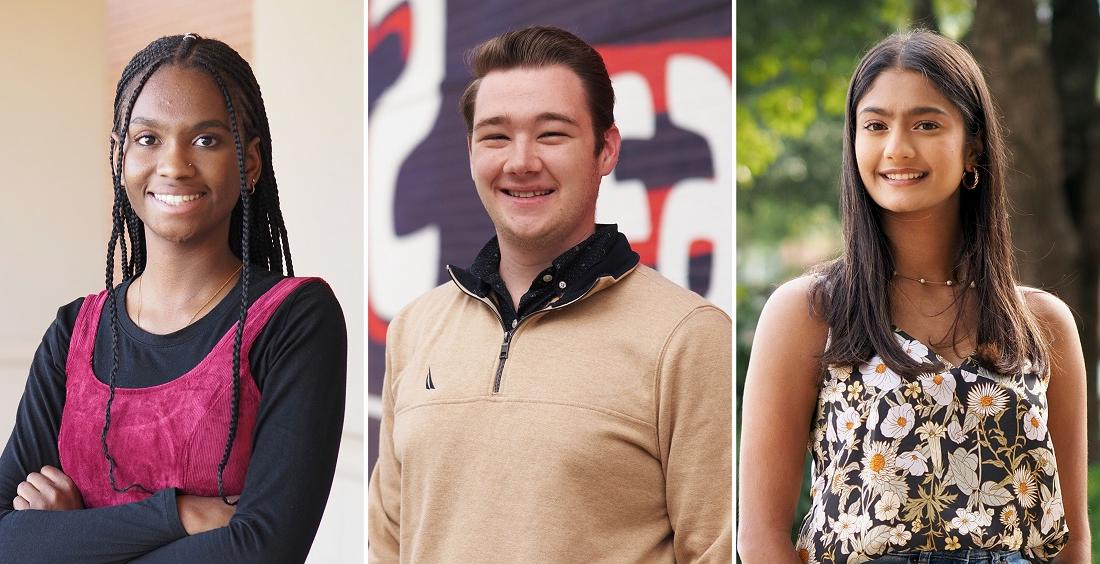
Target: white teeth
{"points": [[174, 200], [528, 194], [905, 176]]}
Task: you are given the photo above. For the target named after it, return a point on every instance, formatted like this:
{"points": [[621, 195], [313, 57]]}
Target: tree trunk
{"points": [[1005, 39], [924, 16], [1075, 56]]}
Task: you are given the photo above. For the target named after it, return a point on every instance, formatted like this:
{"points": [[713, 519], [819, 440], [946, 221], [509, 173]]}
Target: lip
{"points": [[527, 195], [176, 199], [903, 176]]}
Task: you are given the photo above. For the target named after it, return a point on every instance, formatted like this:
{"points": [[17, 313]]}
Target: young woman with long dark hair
{"points": [[932, 389], [193, 412]]}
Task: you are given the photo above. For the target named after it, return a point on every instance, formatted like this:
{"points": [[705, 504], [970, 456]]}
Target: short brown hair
{"points": [[541, 46]]}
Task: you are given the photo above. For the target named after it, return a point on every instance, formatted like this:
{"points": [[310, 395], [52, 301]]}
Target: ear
{"points": [[470, 151], [974, 148], [253, 164], [609, 155]]}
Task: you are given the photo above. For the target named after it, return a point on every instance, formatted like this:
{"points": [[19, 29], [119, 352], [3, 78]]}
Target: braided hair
{"points": [[257, 234]]}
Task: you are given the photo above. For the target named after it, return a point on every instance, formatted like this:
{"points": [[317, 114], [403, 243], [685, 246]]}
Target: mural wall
{"points": [[671, 194]]}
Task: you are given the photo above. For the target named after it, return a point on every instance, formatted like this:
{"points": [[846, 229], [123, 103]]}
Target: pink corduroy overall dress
{"points": [[171, 435]]}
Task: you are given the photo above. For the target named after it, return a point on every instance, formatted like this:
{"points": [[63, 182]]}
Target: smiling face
{"points": [[910, 144], [180, 165], [533, 159]]}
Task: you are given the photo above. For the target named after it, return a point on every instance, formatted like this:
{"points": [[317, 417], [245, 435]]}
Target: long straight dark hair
{"points": [[851, 291], [257, 233]]}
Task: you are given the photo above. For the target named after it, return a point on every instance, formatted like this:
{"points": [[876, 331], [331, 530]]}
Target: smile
{"points": [[905, 175], [176, 200], [528, 194]]}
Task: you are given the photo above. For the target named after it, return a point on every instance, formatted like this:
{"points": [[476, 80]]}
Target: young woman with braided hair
{"points": [[192, 412]]}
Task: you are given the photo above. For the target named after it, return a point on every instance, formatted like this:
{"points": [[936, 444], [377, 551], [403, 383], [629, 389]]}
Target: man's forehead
{"points": [[527, 93]]}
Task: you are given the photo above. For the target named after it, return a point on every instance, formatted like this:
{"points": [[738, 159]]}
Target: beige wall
{"points": [[54, 177], [308, 58], [309, 61]]}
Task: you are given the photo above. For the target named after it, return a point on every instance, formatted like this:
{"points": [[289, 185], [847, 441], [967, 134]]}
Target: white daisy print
{"points": [[846, 526], [915, 349], [1052, 513], [1009, 515], [1035, 424], [986, 400], [966, 522], [878, 375], [899, 421], [1023, 483], [833, 391], [887, 507], [847, 425], [899, 535], [940, 386], [913, 462], [880, 467]]}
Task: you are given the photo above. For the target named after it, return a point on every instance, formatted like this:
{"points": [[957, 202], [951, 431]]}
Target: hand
{"points": [[48, 490], [200, 514]]}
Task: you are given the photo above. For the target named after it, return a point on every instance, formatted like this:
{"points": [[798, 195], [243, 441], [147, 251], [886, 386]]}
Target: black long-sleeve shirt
{"points": [[299, 364]]}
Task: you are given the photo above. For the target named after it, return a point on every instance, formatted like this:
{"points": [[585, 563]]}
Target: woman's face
{"points": [[910, 144], [180, 165]]}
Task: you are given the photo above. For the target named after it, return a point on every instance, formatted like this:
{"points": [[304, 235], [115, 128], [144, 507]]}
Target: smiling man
{"points": [[556, 401]]}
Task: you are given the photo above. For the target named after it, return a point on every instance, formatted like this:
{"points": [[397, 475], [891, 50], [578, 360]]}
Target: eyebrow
{"points": [[919, 110], [206, 124], [545, 116]]}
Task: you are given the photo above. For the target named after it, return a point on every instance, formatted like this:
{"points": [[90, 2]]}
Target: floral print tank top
{"points": [[947, 461]]}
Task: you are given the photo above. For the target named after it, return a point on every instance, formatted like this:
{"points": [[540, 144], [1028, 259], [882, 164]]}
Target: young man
{"points": [[557, 401]]}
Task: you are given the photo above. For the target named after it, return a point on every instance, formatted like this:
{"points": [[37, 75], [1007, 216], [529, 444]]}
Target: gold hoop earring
{"points": [[973, 185]]}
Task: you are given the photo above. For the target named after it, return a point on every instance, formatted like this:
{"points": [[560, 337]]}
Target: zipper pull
{"points": [[504, 346]]}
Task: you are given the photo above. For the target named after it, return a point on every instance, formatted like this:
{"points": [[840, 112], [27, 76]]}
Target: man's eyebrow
{"points": [[495, 120], [545, 116], [553, 116], [917, 111]]}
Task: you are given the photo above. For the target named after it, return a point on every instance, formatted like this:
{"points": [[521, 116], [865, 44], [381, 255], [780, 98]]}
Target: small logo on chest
{"points": [[428, 384]]}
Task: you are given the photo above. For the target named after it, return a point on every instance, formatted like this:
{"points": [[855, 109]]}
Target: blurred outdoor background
{"points": [[1041, 57]]}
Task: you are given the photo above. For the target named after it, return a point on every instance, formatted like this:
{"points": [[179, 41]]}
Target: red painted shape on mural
{"points": [[376, 326], [651, 60], [399, 22], [700, 247]]}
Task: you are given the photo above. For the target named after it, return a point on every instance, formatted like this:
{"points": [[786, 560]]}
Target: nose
{"points": [[523, 158], [174, 162], [898, 146]]}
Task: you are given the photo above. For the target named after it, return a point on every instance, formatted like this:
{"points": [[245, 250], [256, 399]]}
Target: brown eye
{"points": [[206, 141], [875, 126], [145, 140]]}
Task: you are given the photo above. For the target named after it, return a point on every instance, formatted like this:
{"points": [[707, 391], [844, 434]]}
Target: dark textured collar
{"points": [[605, 253]]}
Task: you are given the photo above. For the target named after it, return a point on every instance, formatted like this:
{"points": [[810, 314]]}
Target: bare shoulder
{"points": [[791, 302], [1050, 311], [788, 316]]}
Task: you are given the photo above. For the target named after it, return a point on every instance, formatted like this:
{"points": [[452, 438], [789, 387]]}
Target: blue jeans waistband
{"points": [[968, 556]]}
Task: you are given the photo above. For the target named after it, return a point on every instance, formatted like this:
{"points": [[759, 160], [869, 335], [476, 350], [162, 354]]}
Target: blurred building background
{"points": [[61, 60], [671, 194], [1041, 58]]}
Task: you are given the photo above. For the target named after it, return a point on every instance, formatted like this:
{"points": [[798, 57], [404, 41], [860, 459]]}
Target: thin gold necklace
{"points": [[202, 307]]}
